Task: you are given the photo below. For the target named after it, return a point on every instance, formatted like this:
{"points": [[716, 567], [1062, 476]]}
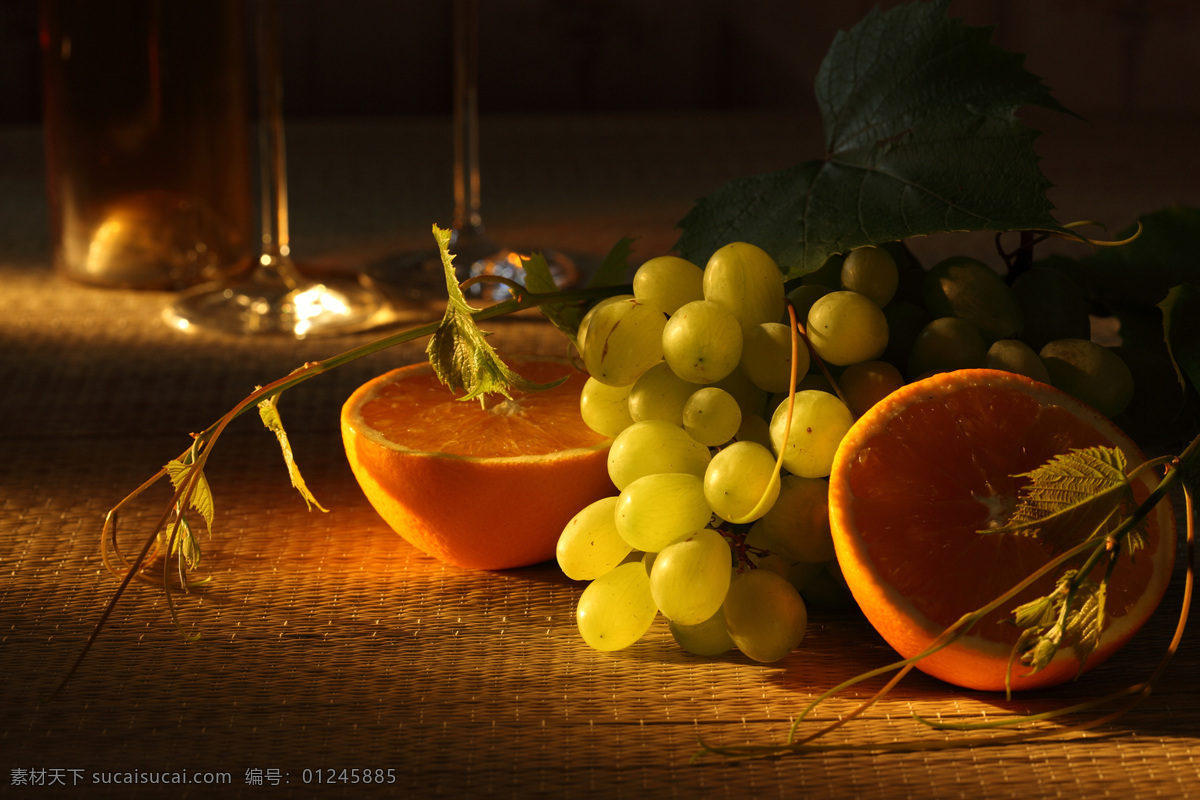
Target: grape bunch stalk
{"points": [[720, 455]]}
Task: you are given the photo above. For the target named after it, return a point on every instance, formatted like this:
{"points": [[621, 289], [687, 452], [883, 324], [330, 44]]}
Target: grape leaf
{"points": [[1069, 497], [268, 411], [922, 136], [457, 350], [202, 497], [566, 316]]}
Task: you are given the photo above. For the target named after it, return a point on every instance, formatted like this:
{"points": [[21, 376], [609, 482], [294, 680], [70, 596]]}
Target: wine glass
{"points": [[275, 297], [475, 252]]}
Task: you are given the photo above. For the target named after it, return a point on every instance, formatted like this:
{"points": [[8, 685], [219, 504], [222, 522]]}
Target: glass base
{"points": [[477, 255], [267, 304]]}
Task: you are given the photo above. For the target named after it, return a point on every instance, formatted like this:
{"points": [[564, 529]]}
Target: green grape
{"points": [[803, 296], [593, 312], [747, 282], [847, 327], [604, 408], [616, 609], [819, 422], [765, 615], [711, 416], [690, 577], [1052, 307], [657, 509], [652, 446], [741, 482], [802, 573], [872, 272], [754, 428], [944, 345], [1014, 355], [905, 321], [702, 342], [1090, 372], [590, 545], [667, 282], [966, 288], [798, 523], [659, 394], [767, 357], [709, 638], [866, 383], [622, 340]]}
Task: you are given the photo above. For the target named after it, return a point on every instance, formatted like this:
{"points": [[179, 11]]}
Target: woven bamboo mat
{"points": [[328, 643]]}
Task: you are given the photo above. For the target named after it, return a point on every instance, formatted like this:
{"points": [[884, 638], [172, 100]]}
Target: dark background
{"points": [[392, 57]]}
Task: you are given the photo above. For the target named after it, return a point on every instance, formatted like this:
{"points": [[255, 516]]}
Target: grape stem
{"points": [[196, 456]]}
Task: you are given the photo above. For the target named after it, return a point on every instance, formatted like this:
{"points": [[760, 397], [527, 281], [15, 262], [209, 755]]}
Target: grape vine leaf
{"points": [[1070, 497], [458, 350], [566, 316], [922, 137], [268, 411]]}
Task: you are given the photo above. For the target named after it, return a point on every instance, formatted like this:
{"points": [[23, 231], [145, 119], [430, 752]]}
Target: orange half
{"points": [[480, 488], [932, 464]]}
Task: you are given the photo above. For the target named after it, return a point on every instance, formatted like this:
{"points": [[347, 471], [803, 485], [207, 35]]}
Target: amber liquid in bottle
{"points": [[147, 127]]}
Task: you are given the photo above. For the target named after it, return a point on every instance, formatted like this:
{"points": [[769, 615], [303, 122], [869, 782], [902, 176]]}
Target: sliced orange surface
{"points": [[480, 488], [933, 463]]}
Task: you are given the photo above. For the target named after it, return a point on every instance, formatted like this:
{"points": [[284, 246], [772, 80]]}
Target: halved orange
{"points": [[923, 471], [480, 488]]}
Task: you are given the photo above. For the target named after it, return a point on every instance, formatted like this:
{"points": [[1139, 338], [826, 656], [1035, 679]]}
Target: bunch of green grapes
{"points": [[721, 523]]}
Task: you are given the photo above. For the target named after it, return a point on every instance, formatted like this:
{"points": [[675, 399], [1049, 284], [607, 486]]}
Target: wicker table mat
{"points": [[327, 643]]}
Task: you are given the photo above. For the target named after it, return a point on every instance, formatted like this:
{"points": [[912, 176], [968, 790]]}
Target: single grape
{"points": [[826, 589], [659, 394], [604, 408], [741, 482], [967, 288], [1155, 414], [667, 282], [847, 327], [711, 416], [747, 282], [866, 383], [798, 523], [1013, 355], [593, 312], [690, 577], [653, 446], [622, 340], [590, 545], [944, 345], [702, 342], [765, 615], [1090, 372], [819, 422], [709, 638], [767, 357], [872, 272], [657, 509], [616, 609]]}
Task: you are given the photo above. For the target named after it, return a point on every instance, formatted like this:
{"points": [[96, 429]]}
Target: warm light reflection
{"points": [[312, 304]]}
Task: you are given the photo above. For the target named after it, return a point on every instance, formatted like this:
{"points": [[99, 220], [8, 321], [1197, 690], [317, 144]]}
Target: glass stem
{"points": [[272, 154], [466, 118]]}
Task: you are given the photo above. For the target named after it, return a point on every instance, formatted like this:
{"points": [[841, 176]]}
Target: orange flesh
{"points": [[918, 500], [419, 413]]}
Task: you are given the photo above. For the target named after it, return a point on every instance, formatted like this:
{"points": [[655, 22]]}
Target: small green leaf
{"points": [[566, 316], [1069, 498], [457, 350], [268, 410], [922, 136], [202, 498]]}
